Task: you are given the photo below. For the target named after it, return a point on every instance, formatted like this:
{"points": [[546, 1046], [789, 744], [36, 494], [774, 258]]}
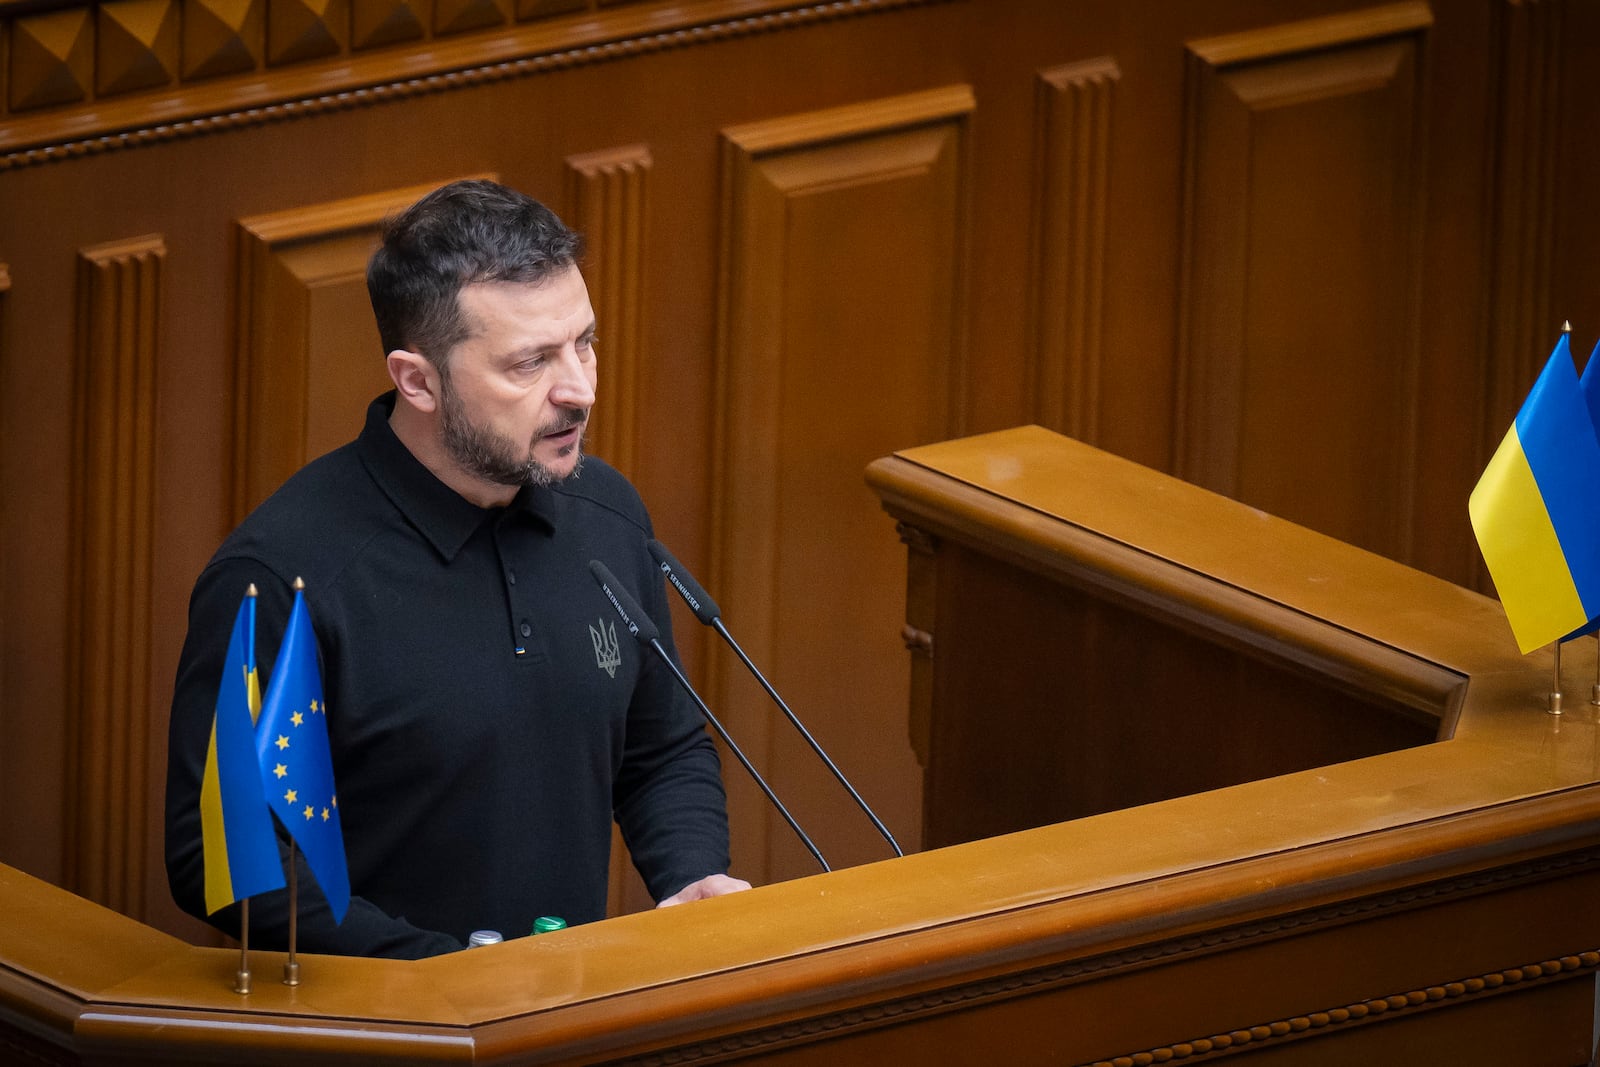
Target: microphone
{"points": [[641, 627], [705, 609]]}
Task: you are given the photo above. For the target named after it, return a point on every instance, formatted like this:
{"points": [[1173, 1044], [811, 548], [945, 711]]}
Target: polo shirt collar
{"points": [[443, 516]]}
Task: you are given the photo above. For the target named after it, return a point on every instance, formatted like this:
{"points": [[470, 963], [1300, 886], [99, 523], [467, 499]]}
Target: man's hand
{"points": [[712, 885]]}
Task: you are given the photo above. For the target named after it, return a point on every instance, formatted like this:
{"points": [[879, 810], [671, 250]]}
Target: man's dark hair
{"points": [[459, 234]]}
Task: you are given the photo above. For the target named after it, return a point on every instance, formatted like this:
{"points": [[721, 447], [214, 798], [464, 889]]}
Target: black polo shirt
{"points": [[488, 714]]}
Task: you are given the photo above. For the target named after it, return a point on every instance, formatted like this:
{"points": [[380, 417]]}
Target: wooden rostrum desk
{"points": [[1199, 783]]}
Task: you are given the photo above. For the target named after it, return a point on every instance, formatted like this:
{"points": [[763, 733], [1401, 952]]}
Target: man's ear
{"points": [[416, 380]]}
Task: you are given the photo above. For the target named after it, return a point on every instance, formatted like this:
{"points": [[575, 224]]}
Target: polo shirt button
{"points": [[526, 629], [511, 576]]}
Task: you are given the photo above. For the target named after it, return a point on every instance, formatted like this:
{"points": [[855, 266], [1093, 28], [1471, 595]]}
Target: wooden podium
{"points": [[1256, 792]]}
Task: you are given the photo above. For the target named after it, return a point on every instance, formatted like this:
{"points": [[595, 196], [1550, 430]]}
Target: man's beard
{"points": [[491, 456]]}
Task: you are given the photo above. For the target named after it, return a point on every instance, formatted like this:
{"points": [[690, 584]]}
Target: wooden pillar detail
{"points": [[5, 287], [1072, 152], [922, 608], [607, 201], [109, 722], [1520, 325]]}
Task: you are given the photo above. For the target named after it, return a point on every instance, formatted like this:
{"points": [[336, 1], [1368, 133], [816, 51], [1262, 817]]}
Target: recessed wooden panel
{"points": [[841, 336], [1299, 300], [607, 194], [1072, 117], [309, 356], [112, 531], [1088, 679]]}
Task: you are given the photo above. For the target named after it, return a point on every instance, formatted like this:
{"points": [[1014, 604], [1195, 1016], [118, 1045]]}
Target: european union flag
{"points": [[1536, 510], [241, 853], [296, 761]]}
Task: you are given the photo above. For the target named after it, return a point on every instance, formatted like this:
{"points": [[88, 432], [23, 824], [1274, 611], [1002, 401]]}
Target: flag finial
{"points": [[1566, 327], [299, 583]]}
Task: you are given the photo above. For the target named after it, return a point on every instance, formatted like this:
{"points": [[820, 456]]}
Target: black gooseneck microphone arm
{"points": [[644, 630], [705, 609]]}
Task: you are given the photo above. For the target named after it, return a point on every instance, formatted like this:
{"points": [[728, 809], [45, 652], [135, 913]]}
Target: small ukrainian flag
{"points": [[1536, 510], [241, 851]]}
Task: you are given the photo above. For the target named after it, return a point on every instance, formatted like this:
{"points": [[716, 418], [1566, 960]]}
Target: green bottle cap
{"points": [[545, 923]]}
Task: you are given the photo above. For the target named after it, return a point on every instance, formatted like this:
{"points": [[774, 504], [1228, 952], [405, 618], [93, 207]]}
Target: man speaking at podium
{"points": [[487, 724]]}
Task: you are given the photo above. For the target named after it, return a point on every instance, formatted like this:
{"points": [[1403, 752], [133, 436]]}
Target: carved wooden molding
{"points": [[1518, 323], [916, 539], [1253, 304], [301, 288], [136, 45], [922, 598], [1391, 1007], [51, 59], [607, 201], [70, 124], [112, 532], [1579, 963], [1072, 117]]}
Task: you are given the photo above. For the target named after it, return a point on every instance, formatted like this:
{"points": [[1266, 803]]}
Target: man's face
{"points": [[516, 394]]}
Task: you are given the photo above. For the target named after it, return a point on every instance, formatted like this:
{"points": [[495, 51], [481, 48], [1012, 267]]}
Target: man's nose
{"points": [[572, 387]]}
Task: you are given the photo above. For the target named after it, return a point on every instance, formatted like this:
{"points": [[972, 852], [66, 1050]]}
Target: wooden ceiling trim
{"points": [[346, 81]]}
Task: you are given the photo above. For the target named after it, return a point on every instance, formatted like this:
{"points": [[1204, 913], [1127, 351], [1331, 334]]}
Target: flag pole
{"points": [[241, 981], [1555, 682], [1594, 690], [291, 969]]}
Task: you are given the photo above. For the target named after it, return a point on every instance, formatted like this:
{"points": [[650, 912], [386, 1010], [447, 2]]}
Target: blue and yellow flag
{"points": [[241, 854], [1536, 510], [296, 760], [1590, 385]]}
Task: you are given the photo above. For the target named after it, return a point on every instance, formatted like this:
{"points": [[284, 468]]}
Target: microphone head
{"points": [[705, 609], [633, 617]]}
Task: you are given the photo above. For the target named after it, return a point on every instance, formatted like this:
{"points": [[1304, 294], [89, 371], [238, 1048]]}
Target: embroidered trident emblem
{"points": [[607, 653]]}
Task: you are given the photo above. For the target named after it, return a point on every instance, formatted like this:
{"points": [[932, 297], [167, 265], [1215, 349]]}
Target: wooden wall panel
{"points": [[309, 358], [816, 208], [607, 201], [110, 719], [11, 756], [1298, 362], [1079, 257], [1072, 111]]}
